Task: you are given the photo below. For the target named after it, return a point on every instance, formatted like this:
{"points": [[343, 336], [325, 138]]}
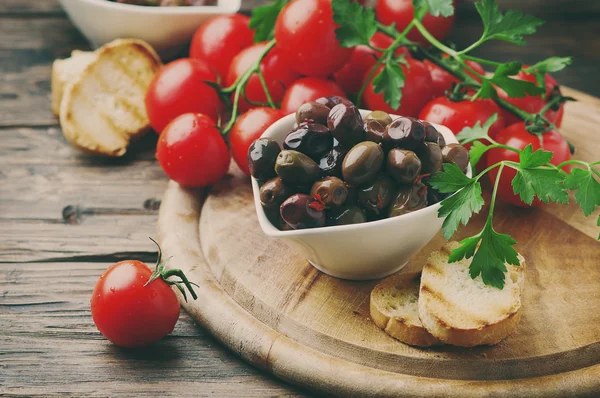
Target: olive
{"points": [[261, 158], [403, 165], [311, 139], [332, 100], [274, 192], [295, 168], [376, 195], [433, 195], [441, 140], [331, 163], [274, 217], [347, 214], [362, 163], [457, 154], [313, 111], [409, 199], [431, 133], [382, 117], [331, 191], [346, 124], [404, 132], [302, 211], [431, 158], [374, 130]]}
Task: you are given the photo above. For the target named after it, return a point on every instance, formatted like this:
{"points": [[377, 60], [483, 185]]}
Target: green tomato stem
{"points": [[423, 30], [480, 60], [261, 77], [471, 47]]}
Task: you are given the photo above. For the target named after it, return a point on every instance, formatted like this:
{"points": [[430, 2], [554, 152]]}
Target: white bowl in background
{"points": [[371, 250], [167, 29]]}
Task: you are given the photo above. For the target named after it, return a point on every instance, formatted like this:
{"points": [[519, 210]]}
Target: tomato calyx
{"points": [[161, 272]]}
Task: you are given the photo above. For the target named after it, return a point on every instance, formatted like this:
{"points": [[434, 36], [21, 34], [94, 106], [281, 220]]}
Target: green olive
{"points": [[362, 163], [457, 154], [408, 199], [295, 168], [261, 158], [403, 165], [431, 158], [382, 117], [331, 191], [345, 215], [376, 195], [274, 192]]}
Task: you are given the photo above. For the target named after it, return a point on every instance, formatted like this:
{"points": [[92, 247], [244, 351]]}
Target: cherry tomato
{"points": [[178, 88], [383, 41], [128, 313], [192, 151], [306, 90], [442, 80], [276, 72], [401, 12], [218, 40], [415, 93], [350, 77], [248, 128], [518, 137], [458, 115], [532, 104], [305, 32]]}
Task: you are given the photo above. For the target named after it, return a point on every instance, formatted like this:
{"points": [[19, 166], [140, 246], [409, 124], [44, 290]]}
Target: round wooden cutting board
{"points": [[271, 307]]}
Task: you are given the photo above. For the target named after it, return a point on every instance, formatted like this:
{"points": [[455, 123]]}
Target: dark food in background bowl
{"points": [[355, 170], [168, 3]]}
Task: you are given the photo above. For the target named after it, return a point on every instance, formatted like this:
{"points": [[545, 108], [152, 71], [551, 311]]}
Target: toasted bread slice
{"points": [[65, 71], [394, 308], [465, 312], [103, 108]]}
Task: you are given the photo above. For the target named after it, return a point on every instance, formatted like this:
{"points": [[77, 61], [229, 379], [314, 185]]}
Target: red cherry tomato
{"points": [[458, 115], [276, 72], [192, 151], [517, 136], [305, 32], [383, 41], [219, 39], [178, 88], [350, 77], [532, 104], [128, 313], [401, 12], [415, 93], [248, 128], [306, 90], [442, 80]]}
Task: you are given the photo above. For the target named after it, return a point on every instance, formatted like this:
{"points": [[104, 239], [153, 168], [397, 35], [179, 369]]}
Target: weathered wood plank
{"points": [[50, 345]]}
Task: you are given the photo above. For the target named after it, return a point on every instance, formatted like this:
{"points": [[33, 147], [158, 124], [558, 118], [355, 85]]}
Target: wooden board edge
{"points": [[269, 350]]}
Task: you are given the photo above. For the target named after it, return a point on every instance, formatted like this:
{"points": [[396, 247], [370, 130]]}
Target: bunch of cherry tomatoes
{"points": [[306, 63]]}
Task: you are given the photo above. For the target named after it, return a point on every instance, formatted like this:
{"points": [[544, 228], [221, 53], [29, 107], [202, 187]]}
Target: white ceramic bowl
{"points": [[366, 251], [167, 29]]}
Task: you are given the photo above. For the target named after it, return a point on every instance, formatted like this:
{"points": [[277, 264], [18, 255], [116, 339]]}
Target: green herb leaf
{"points": [[587, 189], [445, 8], [450, 180], [509, 27], [476, 152], [390, 82], [487, 90], [459, 207], [477, 132], [549, 65], [357, 24], [531, 180], [264, 18], [513, 87]]}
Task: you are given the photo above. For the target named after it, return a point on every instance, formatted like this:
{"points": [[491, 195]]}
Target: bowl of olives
{"points": [[349, 189]]}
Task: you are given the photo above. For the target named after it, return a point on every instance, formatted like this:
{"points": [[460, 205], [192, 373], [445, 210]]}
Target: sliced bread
{"points": [[65, 71], [103, 108], [394, 309], [465, 312]]}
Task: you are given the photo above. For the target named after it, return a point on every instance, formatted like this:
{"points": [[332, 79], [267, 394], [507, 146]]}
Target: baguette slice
{"points": [[103, 108], [394, 309], [465, 312], [65, 71]]}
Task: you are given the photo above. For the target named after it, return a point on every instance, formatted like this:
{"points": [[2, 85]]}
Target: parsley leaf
{"points": [[445, 8], [450, 180], [476, 152], [513, 87], [509, 27], [264, 18], [486, 90], [357, 24], [549, 65], [477, 131], [531, 180], [390, 82], [460, 207], [587, 189]]}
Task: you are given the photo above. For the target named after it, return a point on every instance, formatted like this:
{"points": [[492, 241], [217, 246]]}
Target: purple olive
{"points": [[301, 211]]}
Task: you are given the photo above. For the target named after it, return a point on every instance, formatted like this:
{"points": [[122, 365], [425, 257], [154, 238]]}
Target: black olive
{"points": [[345, 215], [376, 196], [312, 111], [311, 139], [332, 100], [403, 165], [346, 124], [331, 191], [331, 163], [405, 133], [374, 130], [457, 154], [261, 158], [274, 192], [301, 211], [408, 199], [431, 158], [431, 133]]}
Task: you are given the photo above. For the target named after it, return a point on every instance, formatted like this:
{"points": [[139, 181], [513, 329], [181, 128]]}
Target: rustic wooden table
{"points": [[65, 216]]}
